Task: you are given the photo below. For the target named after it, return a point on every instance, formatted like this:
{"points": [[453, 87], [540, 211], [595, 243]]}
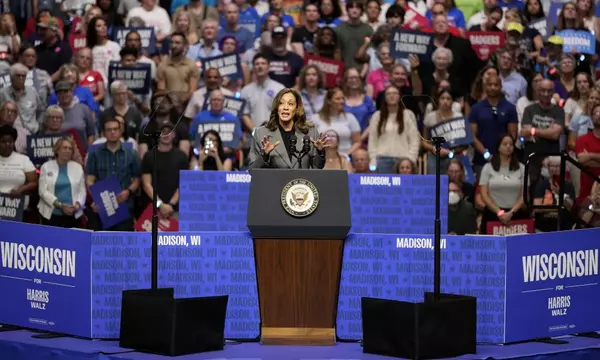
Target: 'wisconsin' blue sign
{"points": [[387, 204], [553, 285], [45, 278]]}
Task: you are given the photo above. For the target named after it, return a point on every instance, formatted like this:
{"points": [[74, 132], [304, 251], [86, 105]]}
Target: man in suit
{"points": [[280, 143]]}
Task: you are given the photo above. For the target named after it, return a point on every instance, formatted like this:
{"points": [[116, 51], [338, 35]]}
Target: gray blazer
{"points": [[279, 157]]}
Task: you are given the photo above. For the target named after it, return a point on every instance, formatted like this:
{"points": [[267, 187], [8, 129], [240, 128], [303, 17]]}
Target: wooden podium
{"points": [[298, 259]]}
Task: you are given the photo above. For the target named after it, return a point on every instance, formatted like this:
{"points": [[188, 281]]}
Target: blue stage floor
{"points": [[19, 345]]}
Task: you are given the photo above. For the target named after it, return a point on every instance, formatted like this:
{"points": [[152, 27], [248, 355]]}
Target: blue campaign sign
{"points": [[45, 278], [555, 9], [209, 264], [408, 42], [104, 194], [400, 267], [395, 204], [541, 25], [147, 35], [552, 284], [213, 200], [456, 132], [229, 65], [582, 41], [40, 148], [11, 208], [120, 261], [137, 77]]}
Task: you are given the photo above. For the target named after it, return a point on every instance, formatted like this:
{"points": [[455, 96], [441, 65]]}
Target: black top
{"points": [[169, 163], [286, 136]]}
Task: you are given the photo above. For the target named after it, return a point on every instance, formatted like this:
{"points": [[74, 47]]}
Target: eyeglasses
{"points": [[112, 129]]}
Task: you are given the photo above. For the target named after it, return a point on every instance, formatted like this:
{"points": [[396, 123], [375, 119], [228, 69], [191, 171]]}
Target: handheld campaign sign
{"points": [[46, 278], [119, 34], [516, 227], [233, 105], [228, 127], [137, 78], [400, 267], [414, 20], [555, 9], [333, 70], [583, 42], [456, 132], [407, 42], [40, 148], [485, 43], [144, 222], [552, 285], [77, 42], [541, 25], [229, 65], [11, 208], [104, 194], [5, 79]]}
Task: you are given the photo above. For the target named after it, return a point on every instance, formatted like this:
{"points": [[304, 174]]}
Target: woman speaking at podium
{"points": [[288, 140]]}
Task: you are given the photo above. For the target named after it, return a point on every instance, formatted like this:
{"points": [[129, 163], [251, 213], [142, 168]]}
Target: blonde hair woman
{"points": [[62, 187], [185, 23], [333, 159]]}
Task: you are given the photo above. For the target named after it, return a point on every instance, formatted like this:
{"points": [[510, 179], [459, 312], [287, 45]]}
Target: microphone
{"points": [[306, 142], [293, 141]]}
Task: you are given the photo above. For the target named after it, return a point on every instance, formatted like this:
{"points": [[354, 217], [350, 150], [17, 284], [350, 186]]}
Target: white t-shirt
{"points": [[103, 55], [345, 124], [157, 18], [12, 173]]}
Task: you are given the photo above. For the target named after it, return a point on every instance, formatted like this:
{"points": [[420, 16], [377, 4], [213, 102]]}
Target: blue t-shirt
{"points": [[362, 112], [512, 4], [84, 95], [226, 124], [245, 38], [491, 123], [456, 18], [62, 189], [286, 20]]}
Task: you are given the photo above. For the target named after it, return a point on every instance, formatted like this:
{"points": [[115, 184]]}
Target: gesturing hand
{"points": [[267, 146], [321, 143]]}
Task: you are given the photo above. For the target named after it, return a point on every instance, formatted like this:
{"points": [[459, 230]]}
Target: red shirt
{"points": [[451, 29], [92, 80], [590, 143]]}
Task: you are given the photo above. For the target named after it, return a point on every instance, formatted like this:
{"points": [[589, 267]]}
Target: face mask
{"points": [[544, 173], [453, 198]]}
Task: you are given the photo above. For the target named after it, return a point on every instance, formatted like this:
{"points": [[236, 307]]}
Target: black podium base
{"points": [[427, 330], [153, 321]]}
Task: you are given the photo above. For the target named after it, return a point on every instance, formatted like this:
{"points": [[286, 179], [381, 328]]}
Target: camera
{"points": [[208, 144]]}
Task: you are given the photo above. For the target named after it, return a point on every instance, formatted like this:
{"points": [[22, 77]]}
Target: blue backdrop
{"points": [[218, 201], [45, 278]]}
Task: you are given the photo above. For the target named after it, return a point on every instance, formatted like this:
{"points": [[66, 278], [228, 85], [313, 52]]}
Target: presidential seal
{"points": [[300, 198]]}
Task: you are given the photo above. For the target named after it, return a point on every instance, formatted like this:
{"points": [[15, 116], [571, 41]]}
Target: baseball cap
{"points": [[278, 30], [63, 85], [514, 26], [555, 40], [49, 23]]}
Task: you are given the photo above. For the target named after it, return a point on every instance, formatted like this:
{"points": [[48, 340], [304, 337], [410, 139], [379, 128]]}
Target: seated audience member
{"points": [[211, 155], [462, 218], [457, 174], [360, 161], [18, 177], [547, 193], [405, 167], [113, 158], [333, 159], [170, 160], [62, 187], [590, 207], [501, 185]]}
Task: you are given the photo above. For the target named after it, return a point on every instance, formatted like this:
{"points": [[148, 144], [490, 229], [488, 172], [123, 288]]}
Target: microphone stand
{"points": [[154, 272], [437, 232]]}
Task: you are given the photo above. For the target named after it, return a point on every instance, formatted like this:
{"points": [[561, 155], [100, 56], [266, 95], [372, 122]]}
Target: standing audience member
{"points": [[8, 115], [26, 97], [18, 177], [62, 187], [110, 159], [587, 148], [333, 159]]}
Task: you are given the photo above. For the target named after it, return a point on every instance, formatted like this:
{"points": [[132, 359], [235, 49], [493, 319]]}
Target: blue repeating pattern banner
{"points": [[401, 268], [388, 204], [45, 278], [552, 284]]}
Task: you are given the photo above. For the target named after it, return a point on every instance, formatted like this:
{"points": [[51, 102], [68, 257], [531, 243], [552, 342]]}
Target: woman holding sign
{"points": [[273, 145], [62, 187]]}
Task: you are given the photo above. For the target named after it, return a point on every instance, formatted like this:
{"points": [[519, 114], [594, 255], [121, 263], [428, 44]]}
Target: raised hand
{"points": [[321, 143], [267, 146]]}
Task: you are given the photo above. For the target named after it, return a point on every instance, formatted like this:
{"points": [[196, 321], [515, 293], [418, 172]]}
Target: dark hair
{"points": [[532, 17], [259, 56], [8, 130], [210, 163], [514, 158], [335, 13], [351, 3], [24, 47], [129, 50], [109, 120], [437, 93], [228, 37], [306, 5], [400, 161], [91, 35], [529, 92], [477, 87], [132, 32], [179, 33], [300, 122], [395, 11], [384, 113], [575, 95]]}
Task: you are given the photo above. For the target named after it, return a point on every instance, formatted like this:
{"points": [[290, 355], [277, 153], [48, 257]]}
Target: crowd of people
{"points": [[529, 96]]}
